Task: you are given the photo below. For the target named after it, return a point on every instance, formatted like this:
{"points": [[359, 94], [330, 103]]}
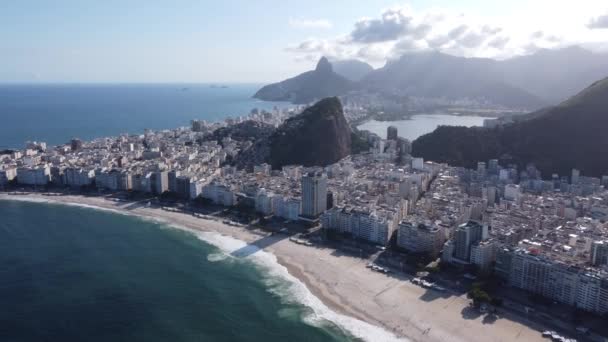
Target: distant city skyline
{"points": [[239, 41]]}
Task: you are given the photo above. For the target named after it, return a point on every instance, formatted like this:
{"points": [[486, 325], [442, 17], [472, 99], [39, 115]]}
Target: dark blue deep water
{"points": [[77, 274], [57, 113]]}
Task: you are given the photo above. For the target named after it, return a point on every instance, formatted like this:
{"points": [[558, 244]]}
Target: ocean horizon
{"points": [[56, 112]]}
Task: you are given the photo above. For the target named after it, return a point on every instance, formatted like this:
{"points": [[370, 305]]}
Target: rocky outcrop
{"points": [[319, 136]]}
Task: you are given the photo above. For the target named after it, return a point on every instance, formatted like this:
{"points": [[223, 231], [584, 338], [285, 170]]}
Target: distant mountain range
{"points": [[528, 82], [435, 74], [556, 140]]}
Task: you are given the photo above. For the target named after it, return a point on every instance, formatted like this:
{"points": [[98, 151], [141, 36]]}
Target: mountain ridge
{"points": [[556, 140], [529, 82], [435, 74]]}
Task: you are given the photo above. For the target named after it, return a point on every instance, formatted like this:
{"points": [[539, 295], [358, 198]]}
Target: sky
{"points": [[151, 41]]}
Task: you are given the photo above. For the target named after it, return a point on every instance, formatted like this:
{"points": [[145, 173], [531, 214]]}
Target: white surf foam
{"points": [[296, 290], [24, 199], [71, 204], [215, 257]]}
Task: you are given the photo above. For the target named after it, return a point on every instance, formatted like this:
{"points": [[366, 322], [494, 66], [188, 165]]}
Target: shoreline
{"points": [[347, 290]]}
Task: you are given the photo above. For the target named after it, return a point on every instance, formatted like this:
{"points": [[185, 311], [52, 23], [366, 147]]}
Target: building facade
{"points": [[374, 227], [314, 194], [599, 253], [36, 175], [582, 288], [420, 238]]}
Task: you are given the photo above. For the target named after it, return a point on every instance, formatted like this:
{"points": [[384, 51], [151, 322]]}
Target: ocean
{"points": [[79, 274], [55, 113]]}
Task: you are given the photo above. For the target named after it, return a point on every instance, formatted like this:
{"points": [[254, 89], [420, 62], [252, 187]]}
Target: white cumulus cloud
{"points": [[402, 30], [600, 22]]}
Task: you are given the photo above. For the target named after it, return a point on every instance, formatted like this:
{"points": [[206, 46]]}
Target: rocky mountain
{"points": [[320, 135], [352, 69], [307, 87], [434, 74], [555, 140], [528, 82]]}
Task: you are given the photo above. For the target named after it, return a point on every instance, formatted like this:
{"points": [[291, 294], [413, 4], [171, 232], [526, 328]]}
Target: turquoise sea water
{"points": [[78, 274], [57, 113]]}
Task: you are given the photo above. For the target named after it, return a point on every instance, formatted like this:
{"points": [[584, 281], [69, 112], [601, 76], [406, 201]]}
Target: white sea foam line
{"points": [[298, 289], [24, 199], [34, 199], [215, 257], [301, 293]]}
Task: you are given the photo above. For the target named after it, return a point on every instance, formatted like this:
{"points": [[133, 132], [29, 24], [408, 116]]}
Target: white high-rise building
{"points": [[512, 192], [37, 175], [218, 193], [264, 202], [466, 235], [7, 175], [77, 177], [107, 179], [599, 253], [418, 164], [375, 227], [585, 289], [483, 253], [503, 174], [160, 182], [314, 195], [576, 174], [293, 208], [420, 238]]}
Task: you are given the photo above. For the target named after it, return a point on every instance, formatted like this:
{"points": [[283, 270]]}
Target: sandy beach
{"points": [[344, 284]]}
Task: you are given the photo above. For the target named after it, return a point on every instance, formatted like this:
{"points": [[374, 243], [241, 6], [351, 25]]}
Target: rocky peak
{"points": [[324, 66]]}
